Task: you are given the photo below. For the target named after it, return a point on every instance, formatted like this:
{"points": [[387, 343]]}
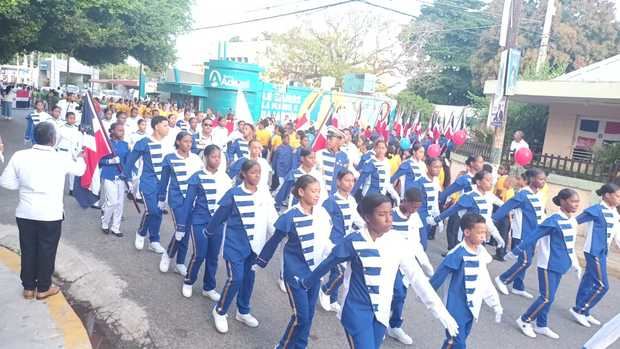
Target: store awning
{"points": [[182, 89]]}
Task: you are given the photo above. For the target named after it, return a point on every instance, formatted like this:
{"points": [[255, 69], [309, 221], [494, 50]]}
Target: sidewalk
{"points": [[35, 324]]}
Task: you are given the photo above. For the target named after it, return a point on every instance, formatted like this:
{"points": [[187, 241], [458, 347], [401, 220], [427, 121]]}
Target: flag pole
{"points": [[318, 132]]}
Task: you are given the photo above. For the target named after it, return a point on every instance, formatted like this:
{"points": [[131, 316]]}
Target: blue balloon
{"points": [[405, 144]]}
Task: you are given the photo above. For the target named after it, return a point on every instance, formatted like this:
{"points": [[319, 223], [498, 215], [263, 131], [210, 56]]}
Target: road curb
{"points": [[63, 315]]}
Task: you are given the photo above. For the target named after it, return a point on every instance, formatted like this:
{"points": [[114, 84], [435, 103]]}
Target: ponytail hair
{"points": [[302, 183], [480, 176], [564, 194], [608, 188]]}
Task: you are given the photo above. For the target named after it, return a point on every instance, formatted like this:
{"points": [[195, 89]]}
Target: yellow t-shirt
{"points": [[263, 136], [394, 163], [499, 186], [293, 140], [544, 194], [276, 141]]}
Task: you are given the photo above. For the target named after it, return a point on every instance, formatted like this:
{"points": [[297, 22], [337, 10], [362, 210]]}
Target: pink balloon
{"points": [[459, 137], [434, 150], [523, 156]]}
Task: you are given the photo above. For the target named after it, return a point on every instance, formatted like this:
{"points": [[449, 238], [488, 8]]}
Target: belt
{"points": [[63, 149]]}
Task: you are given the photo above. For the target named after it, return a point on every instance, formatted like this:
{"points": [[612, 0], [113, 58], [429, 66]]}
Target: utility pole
{"points": [[67, 75], [544, 41]]}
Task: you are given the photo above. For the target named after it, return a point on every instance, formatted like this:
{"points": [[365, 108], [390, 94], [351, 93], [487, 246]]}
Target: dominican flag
{"points": [[96, 146], [449, 128], [320, 141]]}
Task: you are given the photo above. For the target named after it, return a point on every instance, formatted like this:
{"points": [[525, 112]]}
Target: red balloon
{"points": [[459, 137], [523, 156], [434, 150]]}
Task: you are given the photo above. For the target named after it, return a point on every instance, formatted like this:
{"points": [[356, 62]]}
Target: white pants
{"points": [[112, 201]]}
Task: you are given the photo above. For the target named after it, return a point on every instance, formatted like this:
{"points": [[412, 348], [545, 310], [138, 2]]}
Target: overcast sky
{"points": [[198, 46]]}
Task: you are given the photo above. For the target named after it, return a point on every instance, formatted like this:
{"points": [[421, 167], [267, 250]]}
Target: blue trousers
{"points": [[398, 301], [594, 284], [336, 274], [303, 303], [548, 282], [205, 248], [424, 231], [370, 339], [176, 247], [240, 284], [516, 273], [151, 218], [465, 320]]}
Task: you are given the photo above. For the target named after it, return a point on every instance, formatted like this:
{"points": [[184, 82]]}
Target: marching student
{"points": [[177, 168], [529, 212], [151, 150], [249, 214], [282, 159], [410, 169], [428, 185], [373, 259], [254, 154], [239, 148], [135, 136], [406, 222], [332, 160], [33, 119], [70, 141], [479, 200], [602, 227], [306, 227], [470, 282], [307, 166], [205, 188], [303, 144], [113, 186], [555, 255], [375, 174], [203, 138], [342, 209]]}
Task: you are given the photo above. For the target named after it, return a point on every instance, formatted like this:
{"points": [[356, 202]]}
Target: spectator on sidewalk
{"points": [[39, 175]]}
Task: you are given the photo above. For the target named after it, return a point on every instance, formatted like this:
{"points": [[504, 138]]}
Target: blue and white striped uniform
{"points": [[407, 173], [375, 178], [33, 119], [330, 164], [430, 204], [284, 197], [238, 149]]}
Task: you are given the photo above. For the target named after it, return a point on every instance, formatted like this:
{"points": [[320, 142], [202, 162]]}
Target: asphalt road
{"points": [[177, 322]]}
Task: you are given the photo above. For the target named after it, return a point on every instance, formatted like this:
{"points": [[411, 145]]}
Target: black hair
{"points": [[304, 152], [469, 220], [254, 141], [380, 140], [471, 159], [480, 175], [564, 194], [532, 173], [179, 137], [524, 176], [45, 133], [56, 107], [156, 120], [429, 161], [608, 188], [141, 121], [488, 168], [209, 149], [69, 113], [415, 147], [370, 202], [413, 195], [247, 166], [113, 126], [249, 125], [302, 183], [343, 173]]}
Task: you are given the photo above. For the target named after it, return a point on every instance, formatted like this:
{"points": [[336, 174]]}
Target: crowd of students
{"points": [[356, 218]]}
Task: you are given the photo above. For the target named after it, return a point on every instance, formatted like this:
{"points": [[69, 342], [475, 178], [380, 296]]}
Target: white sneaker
{"points": [[221, 324], [526, 328], [335, 307], [400, 335], [139, 243], [546, 331], [325, 301], [164, 263], [501, 286], [593, 320], [187, 290], [156, 247], [281, 285], [580, 318], [247, 319], [212, 295], [181, 269], [523, 293]]}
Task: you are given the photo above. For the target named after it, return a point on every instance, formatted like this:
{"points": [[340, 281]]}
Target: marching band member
{"points": [[603, 227], [306, 227], [332, 160], [303, 144], [70, 141], [33, 119], [282, 159], [113, 186], [373, 259], [555, 255], [406, 222], [135, 136], [375, 174], [249, 213], [151, 150], [307, 166], [530, 211], [203, 138], [177, 168], [428, 185], [470, 282], [239, 147], [411, 169], [254, 154], [205, 188]]}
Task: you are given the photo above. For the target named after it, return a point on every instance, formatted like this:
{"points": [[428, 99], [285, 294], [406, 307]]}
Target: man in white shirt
{"points": [[220, 134], [68, 104], [39, 175], [518, 142]]}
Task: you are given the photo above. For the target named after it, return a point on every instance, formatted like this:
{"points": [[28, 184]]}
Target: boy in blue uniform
{"points": [[428, 185], [112, 184], [282, 160], [332, 160], [470, 283]]}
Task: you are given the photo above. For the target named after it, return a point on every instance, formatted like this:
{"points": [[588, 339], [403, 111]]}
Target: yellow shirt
{"points": [[263, 136], [499, 186], [544, 194], [293, 140], [394, 163], [276, 141]]}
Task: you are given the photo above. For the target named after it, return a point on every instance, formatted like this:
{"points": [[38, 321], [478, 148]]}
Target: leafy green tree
{"points": [[94, 31], [414, 103]]}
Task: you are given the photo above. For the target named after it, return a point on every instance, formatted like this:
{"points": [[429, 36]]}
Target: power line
{"points": [[387, 8]]}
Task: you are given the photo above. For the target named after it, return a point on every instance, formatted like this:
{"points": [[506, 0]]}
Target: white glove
{"points": [[449, 324], [430, 220], [130, 187], [579, 272], [114, 161], [254, 267], [511, 255], [179, 235], [500, 241], [161, 205], [498, 315], [440, 227], [428, 269]]}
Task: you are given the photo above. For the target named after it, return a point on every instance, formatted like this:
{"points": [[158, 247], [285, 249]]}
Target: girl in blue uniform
{"points": [[375, 174], [177, 168], [206, 187], [249, 213], [603, 226], [240, 147], [306, 227], [428, 185], [555, 255], [373, 258], [410, 170], [307, 166], [529, 211]]}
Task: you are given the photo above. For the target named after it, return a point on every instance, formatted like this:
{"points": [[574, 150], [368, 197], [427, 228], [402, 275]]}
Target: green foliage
{"points": [[94, 31], [414, 103], [124, 71], [608, 154]]}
